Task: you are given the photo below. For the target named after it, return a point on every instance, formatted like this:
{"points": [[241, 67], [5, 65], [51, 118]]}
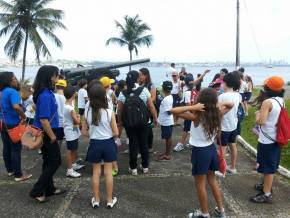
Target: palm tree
{"points": [[24, 20], [132, 34]]}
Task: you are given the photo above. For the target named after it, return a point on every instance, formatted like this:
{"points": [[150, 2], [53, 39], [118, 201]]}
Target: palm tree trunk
{"points": [[24, 56], [130, 59]]}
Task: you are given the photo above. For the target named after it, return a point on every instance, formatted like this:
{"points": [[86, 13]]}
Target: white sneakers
{"points": [[96, 204], [112, 204], [77, 166], [72, 173], [231, 171], [144, 170], [118, 142], [178, 147], [133, 172]]}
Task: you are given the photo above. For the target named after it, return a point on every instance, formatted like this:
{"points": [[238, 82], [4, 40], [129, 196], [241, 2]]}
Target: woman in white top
{"points": [[248, 93], [269, 152], [206, 123], [101, 127]]}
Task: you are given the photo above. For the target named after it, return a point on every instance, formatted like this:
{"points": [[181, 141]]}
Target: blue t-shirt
{"points": [[9, 98], [46, 108]]}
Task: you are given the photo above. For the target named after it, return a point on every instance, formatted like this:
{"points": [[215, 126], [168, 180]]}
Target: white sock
{"points": [[268, 194], [70, 170], [205, 214]]}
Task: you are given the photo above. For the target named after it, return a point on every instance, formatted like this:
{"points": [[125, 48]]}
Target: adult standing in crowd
{"points": [[248, 94], [176, 91], [46, 118], [171, 69], [138, 137], [145, 80], [11, 115]]}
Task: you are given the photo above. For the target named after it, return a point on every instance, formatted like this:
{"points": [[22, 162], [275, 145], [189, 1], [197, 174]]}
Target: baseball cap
{"points": [[275, 83], [106, 81], [61, 82], [167, 86]]}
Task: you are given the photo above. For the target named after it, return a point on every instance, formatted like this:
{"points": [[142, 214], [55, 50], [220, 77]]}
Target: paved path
{"points": [[168, 190]]}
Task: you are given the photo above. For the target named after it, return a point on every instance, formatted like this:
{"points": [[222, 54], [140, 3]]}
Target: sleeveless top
{"points": [[198, 138], [270, 126]]}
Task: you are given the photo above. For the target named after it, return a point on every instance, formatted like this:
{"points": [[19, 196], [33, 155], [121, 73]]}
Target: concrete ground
{"points": [[168, 191]]}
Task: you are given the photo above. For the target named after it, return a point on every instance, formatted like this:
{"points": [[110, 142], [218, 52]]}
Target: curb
{"points": [[282, 170]]}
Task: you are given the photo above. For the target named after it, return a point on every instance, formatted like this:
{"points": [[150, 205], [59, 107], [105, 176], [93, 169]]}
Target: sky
{"points": [[183, 30]]}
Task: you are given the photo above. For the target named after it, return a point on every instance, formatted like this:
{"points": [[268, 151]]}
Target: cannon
{"points": [[73, 75]]}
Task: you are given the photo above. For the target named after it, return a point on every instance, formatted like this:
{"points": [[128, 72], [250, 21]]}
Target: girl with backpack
{"points": [[133, 105], [145, 80], [269, 152], [101, 127], [206, 125]]}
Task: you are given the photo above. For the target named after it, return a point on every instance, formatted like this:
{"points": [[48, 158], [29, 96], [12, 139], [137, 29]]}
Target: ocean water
{"points": [[158, 74]]}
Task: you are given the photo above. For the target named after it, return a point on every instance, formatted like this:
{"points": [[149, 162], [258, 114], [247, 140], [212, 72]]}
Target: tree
{"points": [[132, 34], [24, 20]]}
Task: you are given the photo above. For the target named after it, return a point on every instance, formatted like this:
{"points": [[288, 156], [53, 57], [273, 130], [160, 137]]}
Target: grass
{"points": [[247, 125]]}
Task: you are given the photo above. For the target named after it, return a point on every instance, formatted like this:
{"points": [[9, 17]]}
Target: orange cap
{"points": [[275, 83]]}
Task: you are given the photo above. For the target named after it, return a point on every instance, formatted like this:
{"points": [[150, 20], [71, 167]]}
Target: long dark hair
{"points": [[43, 80], [5, 80], [210, 119], [131, 79], [146, 73], [120, 87], [98, 100], [264, 94]]}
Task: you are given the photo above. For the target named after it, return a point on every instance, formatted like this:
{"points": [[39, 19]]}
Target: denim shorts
{"points": [[166, 132], [99, 150], [204, 159], [72, 145], [228, 137], [268, 158], [186, 125]]}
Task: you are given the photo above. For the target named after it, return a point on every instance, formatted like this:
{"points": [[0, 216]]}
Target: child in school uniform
{"points": [[60, 100], [165, 119], [206, 121], [268, 151], [28, 104], [101, 127], [107, 83], [72, 133]]}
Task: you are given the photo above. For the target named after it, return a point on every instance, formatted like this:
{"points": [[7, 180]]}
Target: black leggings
{"points": [[150, 137], [51, 162], [138, 141]]}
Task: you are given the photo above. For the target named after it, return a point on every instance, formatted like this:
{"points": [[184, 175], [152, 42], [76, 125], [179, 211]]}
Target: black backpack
{"points": [[135, 113]]}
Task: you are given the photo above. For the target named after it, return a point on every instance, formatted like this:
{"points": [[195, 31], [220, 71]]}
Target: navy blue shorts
{"points": [[176, 100], [204, 159], [59, 133], [81, 111], [228, 137], [186, 125], [72, 145], [268, 158], [248, 96], [99, 150], [166, 132]]}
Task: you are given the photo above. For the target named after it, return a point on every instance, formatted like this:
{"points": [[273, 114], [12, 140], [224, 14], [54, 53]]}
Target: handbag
{"points": [[32, 137], [16, 132], [221, 159]]}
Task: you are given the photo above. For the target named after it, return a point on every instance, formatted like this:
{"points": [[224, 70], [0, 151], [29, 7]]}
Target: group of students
{"points": [[210, 118]]}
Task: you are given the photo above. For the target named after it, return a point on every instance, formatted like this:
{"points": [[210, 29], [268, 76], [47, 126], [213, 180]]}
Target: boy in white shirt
{"points": [[165, 119], [230, 119], [72, 133], [60, 100], [82, 97]]}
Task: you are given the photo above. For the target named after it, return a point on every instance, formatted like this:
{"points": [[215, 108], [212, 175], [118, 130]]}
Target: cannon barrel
{"points": [[73, 75]]}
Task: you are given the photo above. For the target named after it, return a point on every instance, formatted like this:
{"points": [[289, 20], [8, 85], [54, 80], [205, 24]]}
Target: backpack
{"points": [[283, 126], [241, 112], [135, 113]]}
